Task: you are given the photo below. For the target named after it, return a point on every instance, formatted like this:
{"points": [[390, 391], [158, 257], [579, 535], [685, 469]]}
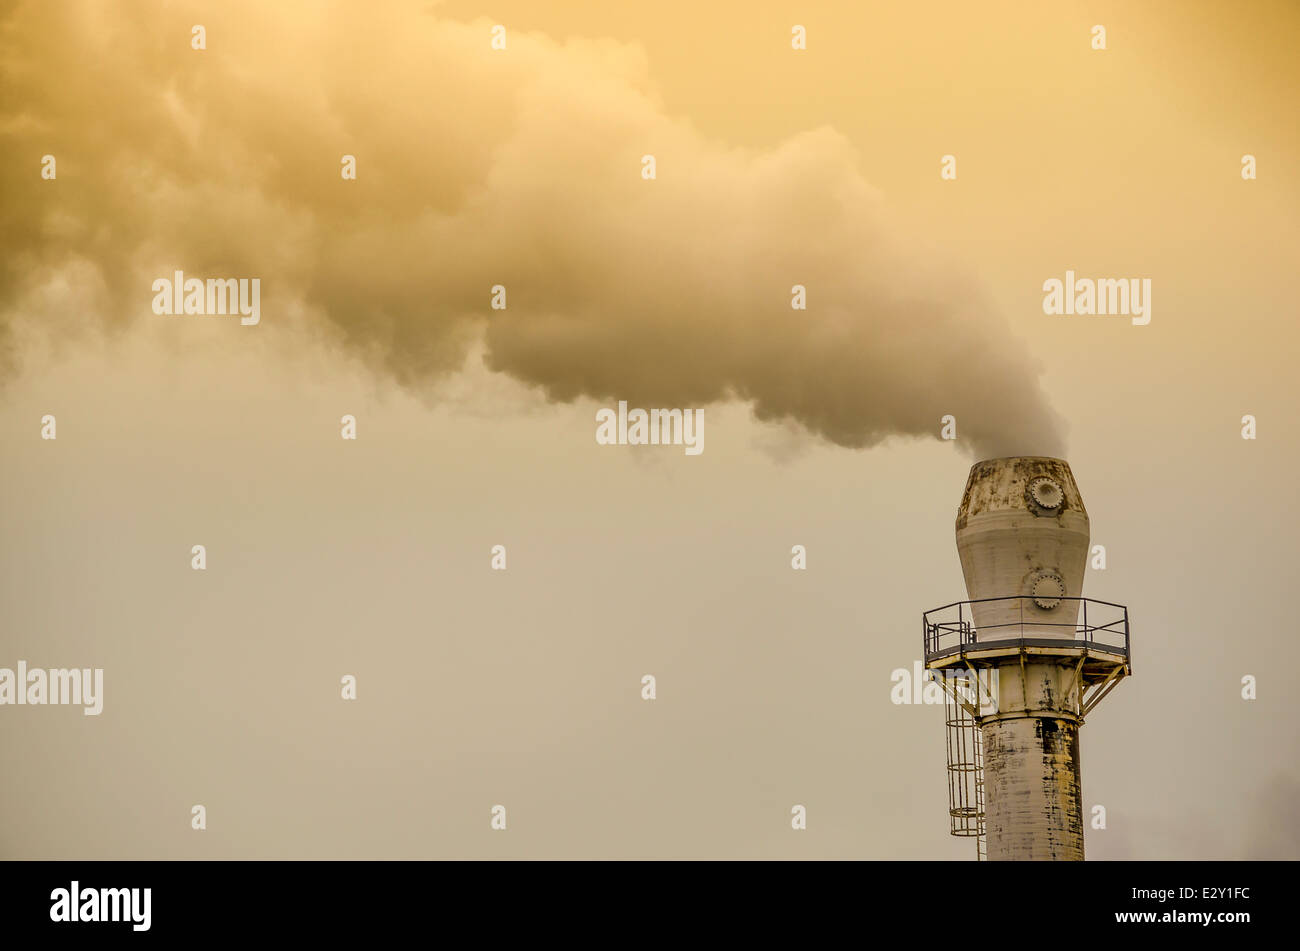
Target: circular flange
{"points": [[1047, 589], [1045, 496]]}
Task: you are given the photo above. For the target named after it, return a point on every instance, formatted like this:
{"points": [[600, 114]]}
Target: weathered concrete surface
{"points": [[1007, 544], [1022, 521], [1033, 801], [1048, 688]]}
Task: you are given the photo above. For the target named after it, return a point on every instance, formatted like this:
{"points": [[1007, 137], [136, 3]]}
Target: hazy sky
{"points": [[476, 428]]}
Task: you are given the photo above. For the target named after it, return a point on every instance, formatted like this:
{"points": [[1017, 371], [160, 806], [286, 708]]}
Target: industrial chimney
{"points": [[1023, 661]]}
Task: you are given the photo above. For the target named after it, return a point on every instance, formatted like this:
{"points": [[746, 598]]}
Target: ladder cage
{"points": [[965, 762]]}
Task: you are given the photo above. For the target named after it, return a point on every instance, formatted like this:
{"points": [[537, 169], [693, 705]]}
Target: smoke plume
{"points": [[477, 167]]}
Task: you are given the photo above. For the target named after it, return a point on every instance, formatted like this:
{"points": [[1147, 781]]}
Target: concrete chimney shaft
{"points": [[1022, 534]]}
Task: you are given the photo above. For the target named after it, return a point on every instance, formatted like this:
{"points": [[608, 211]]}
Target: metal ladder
{"points": [[965, 764]]}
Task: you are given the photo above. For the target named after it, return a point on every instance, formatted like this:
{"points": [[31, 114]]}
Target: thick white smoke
{"points": [[479, 167]]}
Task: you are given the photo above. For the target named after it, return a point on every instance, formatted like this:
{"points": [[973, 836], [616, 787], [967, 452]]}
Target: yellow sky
{"points": [[523, 687]]}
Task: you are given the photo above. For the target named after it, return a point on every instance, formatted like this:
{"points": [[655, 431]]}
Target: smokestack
{"points": [[1023, 660]]}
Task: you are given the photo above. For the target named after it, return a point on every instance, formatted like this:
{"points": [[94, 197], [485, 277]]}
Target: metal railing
{"points": [[951, 629]]}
